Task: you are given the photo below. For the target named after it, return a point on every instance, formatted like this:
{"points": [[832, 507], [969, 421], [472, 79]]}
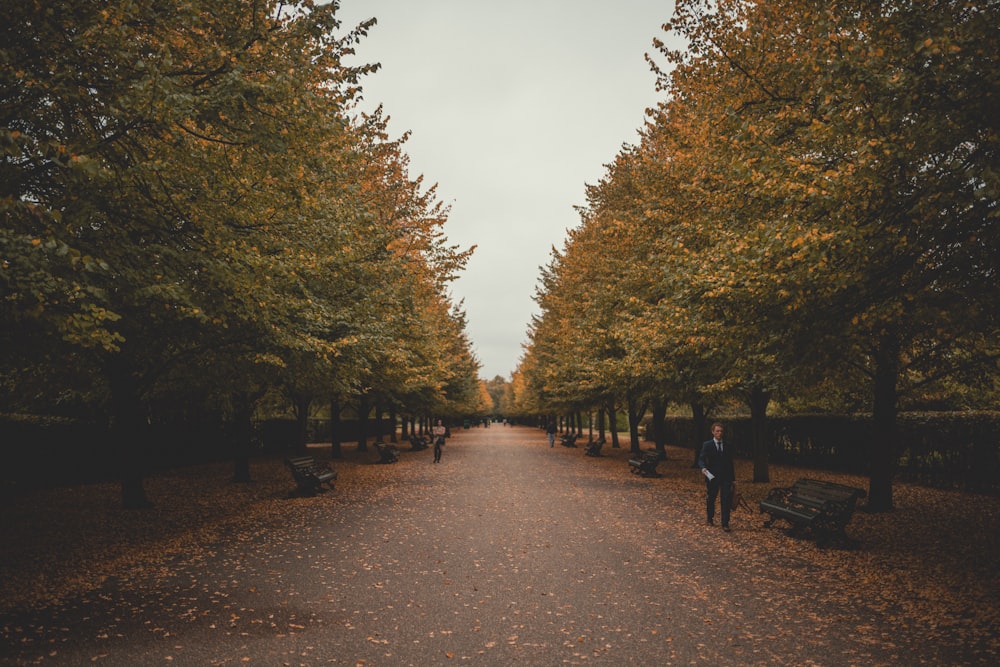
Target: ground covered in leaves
{"points": [[531, 544]]}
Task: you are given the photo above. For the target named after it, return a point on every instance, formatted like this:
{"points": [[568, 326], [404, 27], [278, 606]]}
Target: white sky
{"points": [[513, 107]]}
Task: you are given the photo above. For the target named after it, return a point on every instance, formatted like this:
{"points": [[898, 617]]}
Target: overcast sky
{"points": [[513, 107]]}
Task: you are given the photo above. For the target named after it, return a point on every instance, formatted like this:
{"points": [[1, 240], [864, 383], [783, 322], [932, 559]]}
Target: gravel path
{"points": [[508, 552]]}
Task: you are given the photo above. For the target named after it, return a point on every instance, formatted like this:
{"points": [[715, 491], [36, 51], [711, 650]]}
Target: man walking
{"points": [[716, 463], [550, 429], [438, 432]]}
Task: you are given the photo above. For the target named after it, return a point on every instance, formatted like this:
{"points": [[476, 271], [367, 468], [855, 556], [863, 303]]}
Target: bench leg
{"points": [[794, 528], [308, 489], [839, 534]]}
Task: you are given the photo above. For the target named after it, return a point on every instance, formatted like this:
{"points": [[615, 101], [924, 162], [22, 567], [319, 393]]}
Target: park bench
{"points": [[568, 440], [418, 442], [594, 447], [309, 475], [824, 508], [387, 453], [645, 464]]}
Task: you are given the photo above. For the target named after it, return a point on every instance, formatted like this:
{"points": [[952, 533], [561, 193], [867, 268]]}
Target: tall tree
{"points": [[149, 157], [850, 166]]}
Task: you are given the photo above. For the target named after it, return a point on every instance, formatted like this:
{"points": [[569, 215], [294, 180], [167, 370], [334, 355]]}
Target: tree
{"points": [[499, 391], [181, 190], [850, 156]]}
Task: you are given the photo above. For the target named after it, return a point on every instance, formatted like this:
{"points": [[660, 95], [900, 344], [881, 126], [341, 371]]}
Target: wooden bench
{"points": [[418, 442], [387, 453], [645, 464], [824, 508], [594, 447], [309, 475], [568, 440]]}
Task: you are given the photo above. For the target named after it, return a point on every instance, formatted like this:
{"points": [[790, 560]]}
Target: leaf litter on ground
{"points": [[935, 557]]}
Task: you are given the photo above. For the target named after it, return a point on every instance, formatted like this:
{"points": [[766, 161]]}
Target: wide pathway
{"points": [[508, 552]]}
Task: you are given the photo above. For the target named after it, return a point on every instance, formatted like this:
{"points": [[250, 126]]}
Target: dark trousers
{"points": [[715, 488], [437, 450]]}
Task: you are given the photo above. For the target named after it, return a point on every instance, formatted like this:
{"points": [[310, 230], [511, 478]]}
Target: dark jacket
{"points": [[720, 465]]}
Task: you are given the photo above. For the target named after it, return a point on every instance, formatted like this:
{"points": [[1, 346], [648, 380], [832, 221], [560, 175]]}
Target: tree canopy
{"points": [[814, 203], [192, 203]]}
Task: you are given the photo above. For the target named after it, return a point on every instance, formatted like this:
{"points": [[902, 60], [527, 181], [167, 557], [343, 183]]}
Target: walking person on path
{"points": [[551, 430], [716, 463], [439, 432]]}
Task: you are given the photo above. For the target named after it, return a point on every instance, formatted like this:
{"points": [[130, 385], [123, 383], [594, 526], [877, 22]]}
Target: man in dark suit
{"points": [[716, 463]]}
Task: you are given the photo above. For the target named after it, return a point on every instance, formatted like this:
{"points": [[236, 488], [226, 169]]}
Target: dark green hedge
{"points": [[958, 450]]}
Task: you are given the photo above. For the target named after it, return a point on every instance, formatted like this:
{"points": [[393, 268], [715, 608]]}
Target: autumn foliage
{"points": [[194, 213], [809, 217]]}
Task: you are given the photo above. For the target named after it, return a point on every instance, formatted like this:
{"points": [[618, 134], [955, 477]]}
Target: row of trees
{"points": [[194, 213], [809, 218]]}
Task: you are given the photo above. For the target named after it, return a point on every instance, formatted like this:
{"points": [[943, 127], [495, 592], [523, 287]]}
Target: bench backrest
{"points": [[827, 490], [301, 462], [826, 497]]}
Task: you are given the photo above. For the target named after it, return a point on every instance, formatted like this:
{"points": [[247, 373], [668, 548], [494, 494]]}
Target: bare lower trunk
{"points": [[659, 410], [302, 403], [128, 433], [699, 416], [884, 408], [242, 438], [613, 425], [636, 409], [363, 409], [759, 399], [335, 451]]}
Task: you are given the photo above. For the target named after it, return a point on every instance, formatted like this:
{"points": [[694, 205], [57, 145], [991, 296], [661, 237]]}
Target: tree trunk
{"points": [[242, 437], [758, 400], [363, 409], [601, 429], [636, 409], [335, 451], [127, 433], [659, 410], [392, 427], [699, 416], [378, 423], [884, 408], [613, 425], [302, 403]]}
